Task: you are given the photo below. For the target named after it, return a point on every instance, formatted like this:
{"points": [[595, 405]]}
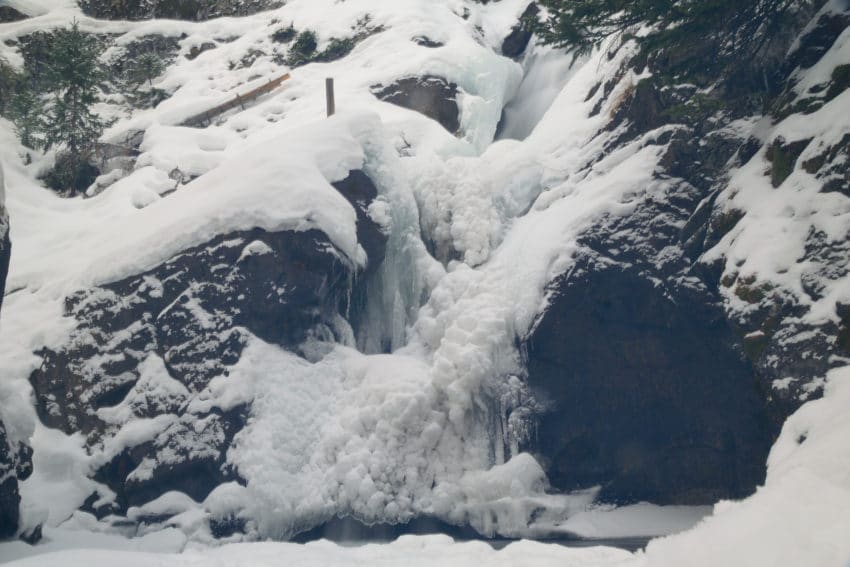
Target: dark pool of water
{"points": [[350, 532]]}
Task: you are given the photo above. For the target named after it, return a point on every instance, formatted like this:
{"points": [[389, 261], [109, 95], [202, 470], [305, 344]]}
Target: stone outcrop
{"points": [[9, 14], [648, 392]]}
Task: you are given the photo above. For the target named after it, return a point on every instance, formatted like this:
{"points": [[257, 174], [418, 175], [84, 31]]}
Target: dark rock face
{"points": [[648, 394], [655, 386], [514, 45], [186, 322], [427, 42], [5, 246], [15, 465], [194, 10], [15, 461], [146, 346], [359, 190], [434, 97]]}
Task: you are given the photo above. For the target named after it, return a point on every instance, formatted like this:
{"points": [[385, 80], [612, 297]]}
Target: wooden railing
{"points": [[206, 117]]}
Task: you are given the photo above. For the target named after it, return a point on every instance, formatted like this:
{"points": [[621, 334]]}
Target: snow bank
{"points": [[414, 551], [279, 183]]}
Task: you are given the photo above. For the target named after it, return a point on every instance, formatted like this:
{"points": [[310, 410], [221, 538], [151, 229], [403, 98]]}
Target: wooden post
{"points": [[329, 96]]}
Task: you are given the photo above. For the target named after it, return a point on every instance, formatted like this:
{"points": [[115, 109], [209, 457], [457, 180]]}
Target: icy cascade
{"points": [[546, 71], [397, 290]]}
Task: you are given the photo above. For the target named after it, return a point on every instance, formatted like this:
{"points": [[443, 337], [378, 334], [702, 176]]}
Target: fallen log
{"points": [[206, 117]]}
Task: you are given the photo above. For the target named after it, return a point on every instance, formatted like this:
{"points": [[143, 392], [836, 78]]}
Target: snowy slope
{"points": [[476, 232]]}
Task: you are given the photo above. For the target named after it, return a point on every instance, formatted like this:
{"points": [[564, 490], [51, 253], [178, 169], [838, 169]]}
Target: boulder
{"points": [[434, 97]]}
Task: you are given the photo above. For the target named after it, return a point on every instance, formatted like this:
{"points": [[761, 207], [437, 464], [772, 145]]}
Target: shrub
{"points": [[303, 49]]}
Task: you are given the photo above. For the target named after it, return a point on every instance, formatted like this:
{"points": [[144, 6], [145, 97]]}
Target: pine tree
{"points": [[70, 122], [25, 110], [8, 82]]}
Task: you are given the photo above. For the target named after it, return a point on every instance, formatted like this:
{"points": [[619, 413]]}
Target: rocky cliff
{"points": [[686, 353]]}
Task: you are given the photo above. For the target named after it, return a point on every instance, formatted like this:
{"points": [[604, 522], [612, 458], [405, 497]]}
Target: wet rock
{"points": [[15, 465], [515, 44], [361, 192], [434, 97]]}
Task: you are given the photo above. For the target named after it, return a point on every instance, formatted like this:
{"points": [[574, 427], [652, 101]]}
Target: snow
{"points": [[802, 513], [414, 551], [423, 417]]}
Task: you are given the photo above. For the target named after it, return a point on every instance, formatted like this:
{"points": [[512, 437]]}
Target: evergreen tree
{"points": [[70, 121], [8, 82], [738, 26], [25, 110]]}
